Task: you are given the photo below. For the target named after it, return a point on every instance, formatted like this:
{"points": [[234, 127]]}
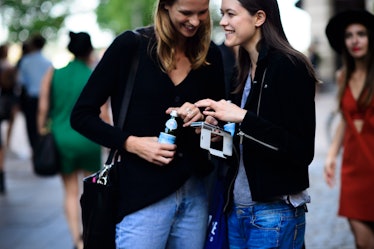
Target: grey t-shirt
{"points": [[242, 192]]}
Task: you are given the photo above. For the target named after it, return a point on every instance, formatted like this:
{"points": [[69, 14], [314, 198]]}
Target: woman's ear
{"points": [[260, 18]]}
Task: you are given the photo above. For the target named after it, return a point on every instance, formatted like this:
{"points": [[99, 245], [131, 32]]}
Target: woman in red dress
{"points": [[350, 34]]}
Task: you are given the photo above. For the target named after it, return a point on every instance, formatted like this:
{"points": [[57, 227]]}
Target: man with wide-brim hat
{"points": [[335, 28]]}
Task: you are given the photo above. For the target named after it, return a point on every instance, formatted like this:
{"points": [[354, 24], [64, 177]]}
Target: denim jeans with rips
{"points": [[178, 221], [267, 225]]}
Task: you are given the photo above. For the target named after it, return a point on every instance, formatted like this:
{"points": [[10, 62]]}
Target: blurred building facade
{"points": [[320, 12]]}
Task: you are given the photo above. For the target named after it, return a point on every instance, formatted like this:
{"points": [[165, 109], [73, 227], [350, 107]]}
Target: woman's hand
{"points": [[44, 100], [222, 110], [330, 163], [329, 171], [212, 121], [188, 113], [150, 149]]}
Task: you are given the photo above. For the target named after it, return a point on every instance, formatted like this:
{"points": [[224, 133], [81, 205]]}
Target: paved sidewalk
{"points": [[32, 217], [31, 212], [325, 230]]}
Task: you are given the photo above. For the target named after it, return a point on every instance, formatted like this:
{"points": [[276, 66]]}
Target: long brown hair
{"points": [[196, 47], [272, 35], [349, 67]]}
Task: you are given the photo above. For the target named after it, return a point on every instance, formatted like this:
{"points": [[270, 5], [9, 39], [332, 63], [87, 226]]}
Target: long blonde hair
{"points": [[196, 47]]}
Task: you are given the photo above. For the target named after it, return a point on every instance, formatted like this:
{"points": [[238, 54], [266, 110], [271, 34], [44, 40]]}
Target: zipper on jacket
{"points": [[259, 98], [242, 134]]}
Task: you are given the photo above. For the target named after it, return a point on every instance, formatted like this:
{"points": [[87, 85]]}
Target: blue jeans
{"points": [[178, 221], [266, 225]]}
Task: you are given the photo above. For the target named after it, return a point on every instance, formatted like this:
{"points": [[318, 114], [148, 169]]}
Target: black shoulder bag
{"points": [[100, 195], [46, 158]]}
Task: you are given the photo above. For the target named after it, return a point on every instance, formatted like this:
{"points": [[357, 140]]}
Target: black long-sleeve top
{"points": [[141, 182]]}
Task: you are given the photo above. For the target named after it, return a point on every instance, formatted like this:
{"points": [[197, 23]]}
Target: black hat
{"points": [[80, 43], [336, 27]]}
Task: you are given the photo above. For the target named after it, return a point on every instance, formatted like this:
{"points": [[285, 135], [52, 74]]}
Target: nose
{"points": [[355, 38], [194, 20], [223, 21]]}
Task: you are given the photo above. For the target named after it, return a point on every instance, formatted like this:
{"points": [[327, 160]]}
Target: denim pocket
{"points": [[265, 232], [278, 225]]}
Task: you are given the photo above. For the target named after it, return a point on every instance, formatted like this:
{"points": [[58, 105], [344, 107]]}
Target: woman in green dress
{"points": [[59, 91]]}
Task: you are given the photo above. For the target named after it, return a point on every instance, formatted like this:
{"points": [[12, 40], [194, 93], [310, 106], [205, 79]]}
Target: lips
{"points": [[227, 31], [190, 28]]}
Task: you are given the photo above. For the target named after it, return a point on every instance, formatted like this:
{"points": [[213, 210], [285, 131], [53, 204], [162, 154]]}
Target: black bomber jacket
{"points": [[278, 130]]}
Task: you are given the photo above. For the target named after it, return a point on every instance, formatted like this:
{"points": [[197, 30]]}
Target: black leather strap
{"points": [[126, 97]]}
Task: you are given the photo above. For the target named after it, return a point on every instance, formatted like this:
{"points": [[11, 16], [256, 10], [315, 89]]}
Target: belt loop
{"points": [[305, 208]]}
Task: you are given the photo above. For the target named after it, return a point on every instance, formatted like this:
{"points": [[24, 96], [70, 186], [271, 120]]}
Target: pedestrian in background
{"points": [[21, 89], [162, 200], [8, 106], [274, 111], [59, 92], [32, 68], [351, 35], [9, 91]]}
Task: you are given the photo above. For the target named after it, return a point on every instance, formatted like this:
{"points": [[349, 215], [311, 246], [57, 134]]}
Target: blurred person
{"points": [[8, 105], [313, 55], [20, 88], [59, 91], [31, 70], [162, 200], [351, 35], [274, 111], [12, 91]]}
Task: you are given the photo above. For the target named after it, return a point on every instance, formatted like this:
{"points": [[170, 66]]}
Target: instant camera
{"points": [[223, 147]]}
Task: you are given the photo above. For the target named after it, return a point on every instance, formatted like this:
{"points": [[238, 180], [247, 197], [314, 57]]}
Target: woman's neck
{"points": [[180, 44], [251, 49], [360, 65]]}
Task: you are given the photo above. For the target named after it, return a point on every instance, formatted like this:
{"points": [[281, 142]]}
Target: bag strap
{"points": [[126, 97]]}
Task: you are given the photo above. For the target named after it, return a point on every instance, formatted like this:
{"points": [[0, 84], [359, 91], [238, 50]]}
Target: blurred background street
{"points": [[32, 215]]}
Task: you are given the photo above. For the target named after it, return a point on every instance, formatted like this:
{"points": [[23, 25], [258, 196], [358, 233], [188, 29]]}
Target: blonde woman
{"points": [[162, 201]]}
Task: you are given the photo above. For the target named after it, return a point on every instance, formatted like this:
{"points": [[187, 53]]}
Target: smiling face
{"points": [[187, 15], [241, 28], [356, 40]]}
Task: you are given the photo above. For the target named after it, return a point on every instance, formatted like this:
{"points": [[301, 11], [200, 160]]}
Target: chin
{"points": [[189, 34], [229, 43]]}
